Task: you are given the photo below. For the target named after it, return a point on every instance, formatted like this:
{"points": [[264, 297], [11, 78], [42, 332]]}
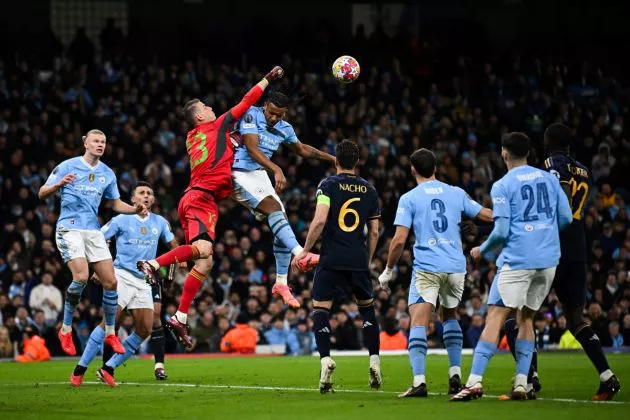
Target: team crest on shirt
{"points": [[154, 231], [143, 230], [101, 179], [91, 177]]}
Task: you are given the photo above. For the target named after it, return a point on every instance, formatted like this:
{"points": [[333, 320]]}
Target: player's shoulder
{"points": [[160, 219], [105, 167], [283, 125], [72, 162]]}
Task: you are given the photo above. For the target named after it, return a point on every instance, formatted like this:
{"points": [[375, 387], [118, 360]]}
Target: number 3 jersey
{"points": [[575, 175], [532, 201], [352, 202], [433, 210]]}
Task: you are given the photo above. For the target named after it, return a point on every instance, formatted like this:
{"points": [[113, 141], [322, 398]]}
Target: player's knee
{"points": [[203, 266], [204, 248], [110, 283], [144, 329], [320, 317], [81, 275], [367, 312]]}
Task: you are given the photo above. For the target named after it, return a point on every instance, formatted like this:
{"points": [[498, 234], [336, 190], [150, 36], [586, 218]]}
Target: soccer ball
{"points": [[346, 69]]}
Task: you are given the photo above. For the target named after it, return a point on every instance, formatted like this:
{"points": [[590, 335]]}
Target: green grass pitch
{"points": [[287, 387]]}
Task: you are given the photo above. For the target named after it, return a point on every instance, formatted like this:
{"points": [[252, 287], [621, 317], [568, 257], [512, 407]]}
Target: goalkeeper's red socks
{"points": [[194, 281], [182, 253]]}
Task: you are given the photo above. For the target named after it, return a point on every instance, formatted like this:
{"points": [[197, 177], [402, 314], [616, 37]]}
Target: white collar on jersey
{"points": [[88, 165], [143, 219]]}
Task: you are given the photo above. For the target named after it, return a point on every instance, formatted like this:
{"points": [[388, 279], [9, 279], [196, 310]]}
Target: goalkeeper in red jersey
{"points": [[211, 154]]}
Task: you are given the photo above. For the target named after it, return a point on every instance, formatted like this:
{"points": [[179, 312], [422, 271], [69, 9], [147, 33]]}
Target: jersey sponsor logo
{"points": [[87, 190], [353, 188], [529, 177], [367, 324], [249, 126], [498, 200], [91, 177], [318, 193], [324, 330], [433, 191], [143, 230]]}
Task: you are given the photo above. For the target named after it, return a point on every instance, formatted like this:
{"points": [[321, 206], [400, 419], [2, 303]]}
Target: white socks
{"points": [[65, 329], [109, 330], [282, 279], [297, 250], [418, 380], [159, 366], [520, 380], [375, 360], [181, 317], [474, 379], [454, 370], [605, 375], [154, 264]]}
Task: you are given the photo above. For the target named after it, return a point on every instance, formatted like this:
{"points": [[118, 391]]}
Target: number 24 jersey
{"points": [[352, 201]]}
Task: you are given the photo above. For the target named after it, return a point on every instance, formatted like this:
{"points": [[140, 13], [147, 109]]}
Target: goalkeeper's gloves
{"points": [[276, 73], [385, 277]]}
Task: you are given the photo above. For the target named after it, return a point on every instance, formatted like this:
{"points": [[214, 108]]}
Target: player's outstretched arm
{"points": [[485, 215], [121, 207], [314, 230], [255, 93], [497, 238], [251, 142], [396, 247], [310, 152]]}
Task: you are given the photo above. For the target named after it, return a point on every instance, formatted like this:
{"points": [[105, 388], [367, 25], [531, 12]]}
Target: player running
{"points": [[83, 182], [570, 280], [211, 155], [136, 238], [529, 211], [345, 204], [263, 130], [433, 210]]}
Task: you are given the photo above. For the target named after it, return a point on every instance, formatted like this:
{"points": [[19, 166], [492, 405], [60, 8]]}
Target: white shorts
{"points": [[88, 244], [427, 287], [250, 188], [133, 292], [520, 288]]}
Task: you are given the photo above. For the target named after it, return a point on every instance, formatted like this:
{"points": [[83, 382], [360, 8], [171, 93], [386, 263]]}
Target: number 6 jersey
{"points": [[434, 210], [352, 202], [574, 175]]}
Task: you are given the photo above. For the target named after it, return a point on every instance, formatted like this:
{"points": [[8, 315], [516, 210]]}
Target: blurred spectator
{"points": [[35, 349], [6, 346], [205, 335], [47, 297], [277, 334], [474, 330], [392, 338], [240, 339], [301, 341], [615, 337]]}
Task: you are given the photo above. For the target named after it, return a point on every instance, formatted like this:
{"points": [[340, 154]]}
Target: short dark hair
{"points": [[279, 99], [558, 136], [141, 184], [517, 144], [347, 154], [190, 111], [424, 162]]}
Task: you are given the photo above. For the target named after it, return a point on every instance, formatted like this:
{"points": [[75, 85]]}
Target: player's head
{"points": [[94, 142], [516, 146], [557, 137], [347, 155], [423, 163], [196, 112], [276, 107], [142, 193]]}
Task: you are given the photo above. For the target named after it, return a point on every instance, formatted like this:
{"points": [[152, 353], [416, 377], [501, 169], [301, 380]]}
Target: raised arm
{"points": [[310, 152], [121, 207], [255, 93], [251, 144]]}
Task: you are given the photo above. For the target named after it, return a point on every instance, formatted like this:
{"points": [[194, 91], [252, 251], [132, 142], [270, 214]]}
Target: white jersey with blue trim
{"points": [[269, 138], [81, 198]]}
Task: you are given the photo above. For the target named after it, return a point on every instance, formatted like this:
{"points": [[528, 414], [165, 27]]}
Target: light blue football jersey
{"points": [[136, 238], [81, 198], [433, 210], [531, 199], [269, 138]]}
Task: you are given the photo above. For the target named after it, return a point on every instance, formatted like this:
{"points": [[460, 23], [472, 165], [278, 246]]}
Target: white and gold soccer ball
{"points": [[346, 69]]}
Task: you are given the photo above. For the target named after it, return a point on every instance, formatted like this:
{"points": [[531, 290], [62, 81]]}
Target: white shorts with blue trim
{"points": [[520, 288], [250, 188], [427, 287], [88, 244], [133, 292]]}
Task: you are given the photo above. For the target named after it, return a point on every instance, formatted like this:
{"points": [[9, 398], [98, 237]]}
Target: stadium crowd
{"points": [[415, 95]]}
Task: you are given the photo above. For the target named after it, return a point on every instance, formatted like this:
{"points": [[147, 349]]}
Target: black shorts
{"points": [[331, 284], [156, 292], [570, 283]]}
